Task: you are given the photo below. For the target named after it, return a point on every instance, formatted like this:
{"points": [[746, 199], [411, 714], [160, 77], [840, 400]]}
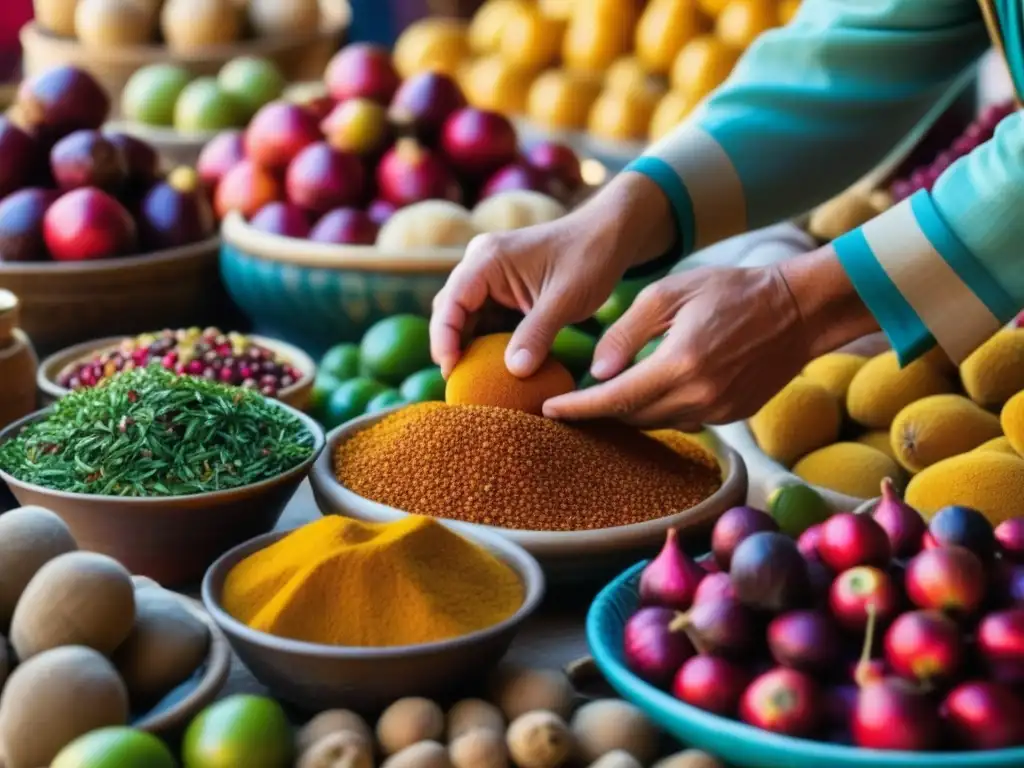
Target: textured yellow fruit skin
{"points": [[851, 468], [999, 444], [989, 482], [994, 372], [937, 427], [879, 440], [801, 418], [664, 28], [1012, 420], [881, 389], [834, 372]]}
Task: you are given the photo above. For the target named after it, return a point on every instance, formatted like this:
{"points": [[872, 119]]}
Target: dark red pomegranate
{"points": [[410, 173], [62, 100], [362, 70], [17, 157], [88, 224], [222, 153], [278, 133], [477, 142], [282, 219], [21, 224], [176, 212], [142, 160], [345, 226], [423, 102], [87, 158], [558, 161], [521, 177], [321, 178]]}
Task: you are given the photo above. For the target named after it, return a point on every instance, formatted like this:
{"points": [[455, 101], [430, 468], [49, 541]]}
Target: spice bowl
{"points": [[297, 395], [171, 539], [315, 677], [587, 556]]}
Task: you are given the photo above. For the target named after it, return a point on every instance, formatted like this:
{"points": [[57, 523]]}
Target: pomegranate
{"points": [[984, 715], [711, 683], [282, 219], [849, 540], [477, 142], [345, 226], [87, 224], [245, 188], [21, 224], [176, 212], [320, 178], [516, 176], [17, 157], [142, 161], [858, 591], [62, 100], [557, 161], [87, 158], [409, 173], [893, 714], [278, 133], [1000, 642], [362, 70], [782, 701], [222, 153], [924, 646], [949, 578], [423, 103]]}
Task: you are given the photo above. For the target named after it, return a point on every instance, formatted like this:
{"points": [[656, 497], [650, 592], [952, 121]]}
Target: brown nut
{"points": [[539, 739], [341, 749], [332, 721], [479, 748]]}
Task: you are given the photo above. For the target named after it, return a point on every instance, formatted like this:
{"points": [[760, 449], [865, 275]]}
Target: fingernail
{"points": [[601, 369], [520, 362]]}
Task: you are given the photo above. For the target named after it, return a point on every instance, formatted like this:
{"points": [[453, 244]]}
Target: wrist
{"points": [[638, 218], [829, 305]]}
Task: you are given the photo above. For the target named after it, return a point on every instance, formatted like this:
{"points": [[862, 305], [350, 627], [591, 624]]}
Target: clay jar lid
{"points": [[9, 314]]}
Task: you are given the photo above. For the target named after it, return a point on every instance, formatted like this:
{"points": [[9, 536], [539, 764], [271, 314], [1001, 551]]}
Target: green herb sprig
{"points": [[149, 432]]}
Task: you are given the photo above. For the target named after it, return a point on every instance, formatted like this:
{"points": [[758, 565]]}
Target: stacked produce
{"points": [[337, 170], [872, 630], [92, 647], [620, 69], [167, 95], [184, 26], [231, 358], [69, 192], [847, 421], [151, 433]]}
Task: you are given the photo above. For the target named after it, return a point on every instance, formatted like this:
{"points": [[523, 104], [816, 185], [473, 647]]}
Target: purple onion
{"points": [[713, 587], [722, 626], [808, 641], [652, 650], [670, 580], [901, 522]]}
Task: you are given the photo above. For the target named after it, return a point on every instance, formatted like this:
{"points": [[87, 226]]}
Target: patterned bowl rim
{"points": [[198, 250], [237, 233]]}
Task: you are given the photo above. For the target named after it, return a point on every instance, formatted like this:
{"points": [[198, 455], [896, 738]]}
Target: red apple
{"points": [[477, 142], [222, 153], [711, 683], [278, 133], [345, 226], [849, 540], [782, 701], [320, 179], [892, 714], [88, 224], [409, 173], [362, 70], [947, 579], [856, 589], [984, 715], [924, 646]]}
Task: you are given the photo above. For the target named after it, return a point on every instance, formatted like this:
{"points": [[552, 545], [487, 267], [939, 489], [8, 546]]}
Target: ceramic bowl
{"points": [[297, 395], [65, 303], [315, 295], [732, 741], [316, 677], [565, 556], [179, 706], [170, 539]]}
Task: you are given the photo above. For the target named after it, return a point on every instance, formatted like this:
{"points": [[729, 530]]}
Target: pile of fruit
{"points": [[230, 358], [184, 26], [846, 422], [167, 95], [623, 70], [91, 646], [871, 630], [70, 192], [336, 166], [528, 720]]}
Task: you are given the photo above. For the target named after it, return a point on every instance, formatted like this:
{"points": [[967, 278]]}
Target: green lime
{"points": [[341, 362], [241, 730], [797, 507], [586, 380], [119, 747], [647, 350], [323, 387], [396, 347], [389, 398], [350, 399], [617, 304], [151, 93], [424, 386], [203, 106], [252, 81], [574, 349]]}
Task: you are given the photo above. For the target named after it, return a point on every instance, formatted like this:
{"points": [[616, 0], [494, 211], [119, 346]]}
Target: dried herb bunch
{"points": [[148, 432]]}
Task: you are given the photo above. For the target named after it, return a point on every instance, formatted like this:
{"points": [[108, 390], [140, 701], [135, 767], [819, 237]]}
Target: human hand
{"points": [[555, 274], [733, 338]]}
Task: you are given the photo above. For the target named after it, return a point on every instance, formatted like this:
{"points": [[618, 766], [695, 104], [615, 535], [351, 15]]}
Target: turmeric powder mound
{"points": [[338, 581], [510, 469], [482, 378]]}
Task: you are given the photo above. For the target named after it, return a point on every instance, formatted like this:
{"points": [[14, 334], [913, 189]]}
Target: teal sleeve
{"points": [[946, 267], [810, 109]]}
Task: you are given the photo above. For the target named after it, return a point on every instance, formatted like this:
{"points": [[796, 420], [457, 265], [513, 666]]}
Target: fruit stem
{"points": [[865, 654], [680, 623]]}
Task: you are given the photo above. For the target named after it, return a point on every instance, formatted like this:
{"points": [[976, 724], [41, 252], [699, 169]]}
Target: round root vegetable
{"points": [[473, 714], [608, 725], [340, 749], [518, 691], [539, 739], [407, 722], [425, 754], [479, 748], [332, 721]]}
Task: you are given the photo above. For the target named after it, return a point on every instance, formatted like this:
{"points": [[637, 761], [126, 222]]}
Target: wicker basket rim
{"points": [[68, 268]]}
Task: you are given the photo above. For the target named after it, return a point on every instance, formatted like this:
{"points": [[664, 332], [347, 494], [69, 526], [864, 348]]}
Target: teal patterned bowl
{"points": [[315, 295], [732, 741]]}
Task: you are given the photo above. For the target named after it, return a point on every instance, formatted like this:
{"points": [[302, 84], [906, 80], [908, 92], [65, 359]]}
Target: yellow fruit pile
{"points": [[847, 421], [624, 70]]}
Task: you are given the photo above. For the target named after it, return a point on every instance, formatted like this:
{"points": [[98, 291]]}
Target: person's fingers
{"points": [[650, 315], [625, 394], [531, 342], [463, 295], [691, 403]]}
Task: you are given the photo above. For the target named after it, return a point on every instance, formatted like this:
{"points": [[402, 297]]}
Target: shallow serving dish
{"points": [[565, 556], [66, 303], [170, 539], [315, 295], [296, 395], [316, 677], [179, 706], [734, 742]]}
